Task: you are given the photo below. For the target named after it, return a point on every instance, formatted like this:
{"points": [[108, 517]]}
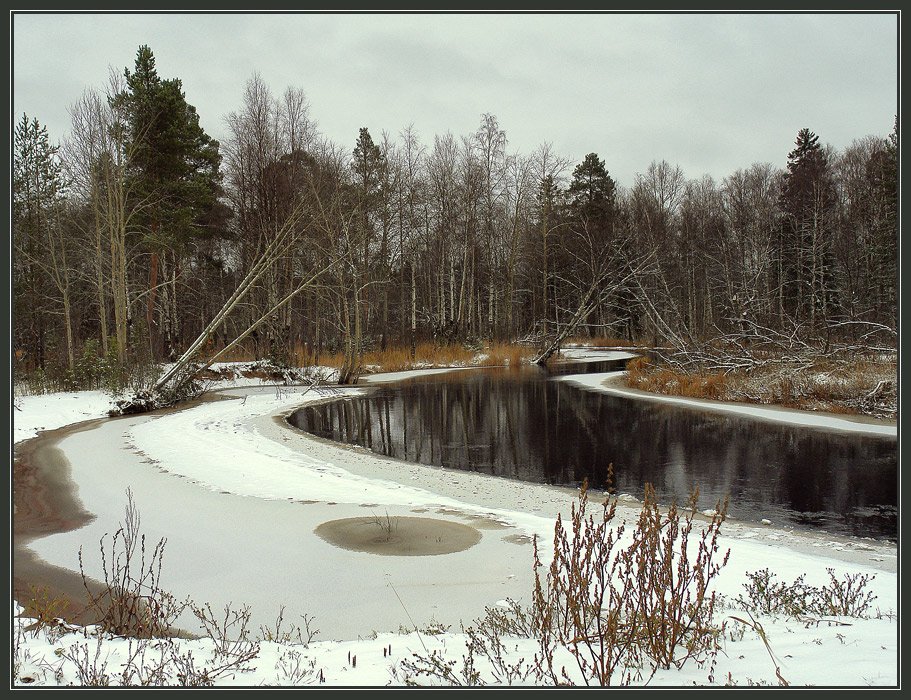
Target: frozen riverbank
{"points": [[238, 495]]}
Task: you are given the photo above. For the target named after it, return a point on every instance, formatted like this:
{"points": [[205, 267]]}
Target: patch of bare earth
{"points": [[399, 535]]}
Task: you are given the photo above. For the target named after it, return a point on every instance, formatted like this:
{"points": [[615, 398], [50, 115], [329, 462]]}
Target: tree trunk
{"points": [[150, 302]]}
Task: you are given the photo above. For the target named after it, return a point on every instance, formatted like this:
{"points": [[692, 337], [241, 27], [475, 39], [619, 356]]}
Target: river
{"points": [[523, 425]]}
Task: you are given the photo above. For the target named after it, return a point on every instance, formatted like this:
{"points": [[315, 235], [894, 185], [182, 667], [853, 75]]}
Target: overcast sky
{"points": [[710, 93]]}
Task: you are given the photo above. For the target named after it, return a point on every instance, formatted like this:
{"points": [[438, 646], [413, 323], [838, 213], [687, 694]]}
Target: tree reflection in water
{"points": [[519, 425]]}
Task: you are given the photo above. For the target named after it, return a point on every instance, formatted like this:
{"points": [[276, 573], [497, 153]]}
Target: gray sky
{"points": [[710, 93]]}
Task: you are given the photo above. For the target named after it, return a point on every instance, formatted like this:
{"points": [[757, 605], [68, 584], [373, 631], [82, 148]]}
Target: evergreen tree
{"points": [[591, 249], [174, 174], [807, 201], [175, 166], [368, 165], [592, 193], [37, 186]]}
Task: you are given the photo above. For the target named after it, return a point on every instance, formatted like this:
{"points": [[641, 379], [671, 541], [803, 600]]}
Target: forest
{"points": [[138, 239]]}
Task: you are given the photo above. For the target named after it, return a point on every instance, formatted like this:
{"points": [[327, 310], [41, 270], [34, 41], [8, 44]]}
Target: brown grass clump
{"points": [[508, 355], [644, 375], [45, 608], [848, 388]]}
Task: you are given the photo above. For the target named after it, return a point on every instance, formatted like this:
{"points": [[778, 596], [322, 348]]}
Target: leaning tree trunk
{"points": [[585, 308]]}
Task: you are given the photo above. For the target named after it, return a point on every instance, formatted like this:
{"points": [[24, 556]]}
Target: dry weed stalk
{"points": [[613, 608], [131, 601]]}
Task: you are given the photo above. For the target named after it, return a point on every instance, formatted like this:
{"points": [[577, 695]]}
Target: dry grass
{"points": [[505, 354], [859, 387], [428, 355], [238, 353], [666, 380], [399, 358]]}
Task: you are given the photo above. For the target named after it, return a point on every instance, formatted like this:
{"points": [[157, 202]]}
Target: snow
{"points": [[33, 414], [585, 354], [826, 655], [407, 374], [238, 494], [605, 382]]}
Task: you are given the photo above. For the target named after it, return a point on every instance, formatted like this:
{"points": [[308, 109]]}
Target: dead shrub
{"points": [[131, 602], [844, 597], [617, 613], [45, 609], [616, 608]]}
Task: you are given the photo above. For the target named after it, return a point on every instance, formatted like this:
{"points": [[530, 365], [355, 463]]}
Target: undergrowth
{"points": [[858, 387], [848, 596], [604, 612]]}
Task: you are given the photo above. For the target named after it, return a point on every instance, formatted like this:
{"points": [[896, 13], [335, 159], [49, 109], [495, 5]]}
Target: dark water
{"points": [[523, 425]]}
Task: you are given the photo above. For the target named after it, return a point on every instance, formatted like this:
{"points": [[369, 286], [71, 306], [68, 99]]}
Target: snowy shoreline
{"points": [[610, 383], [301, 481]]}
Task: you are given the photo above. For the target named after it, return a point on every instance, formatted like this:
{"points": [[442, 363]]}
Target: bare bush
{"points": [[148, 662], [229, 631], [296, 669], [844, 597], [131, 601], [616, 609], [671, 609], [91, 666], [616, 613], [292, 634]]}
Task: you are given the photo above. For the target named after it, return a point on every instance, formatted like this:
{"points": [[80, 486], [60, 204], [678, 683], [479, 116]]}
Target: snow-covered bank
{"points": [[607, 383], [586, 354], [238, 494], [50, 411], [839, 653]]}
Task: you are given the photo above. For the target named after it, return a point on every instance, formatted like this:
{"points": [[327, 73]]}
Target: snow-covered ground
{"points": [[586, 354], [238, 494], [32, 414], [606, 382]]}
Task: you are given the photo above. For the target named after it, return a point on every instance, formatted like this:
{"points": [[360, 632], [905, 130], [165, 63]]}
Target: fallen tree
{"points": [[180, 380], [609, 268]]}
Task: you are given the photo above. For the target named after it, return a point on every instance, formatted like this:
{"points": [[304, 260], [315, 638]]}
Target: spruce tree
{"points": [[592, 192], [808, 202], [37, 186]]}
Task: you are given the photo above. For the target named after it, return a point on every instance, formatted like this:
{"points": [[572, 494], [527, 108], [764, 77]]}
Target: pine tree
{"points": [[592, 192], [174, 172]]}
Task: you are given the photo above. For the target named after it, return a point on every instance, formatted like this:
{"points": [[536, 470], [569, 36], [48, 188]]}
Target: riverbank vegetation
{"points": [[858, 386], [139, 240], [617, 605]]}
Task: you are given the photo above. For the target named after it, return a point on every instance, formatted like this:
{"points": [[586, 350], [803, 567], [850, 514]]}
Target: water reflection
{"points": [[522, 426]]}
